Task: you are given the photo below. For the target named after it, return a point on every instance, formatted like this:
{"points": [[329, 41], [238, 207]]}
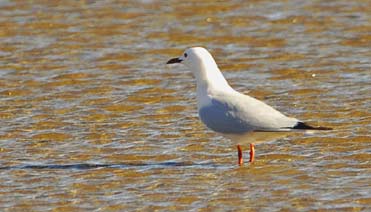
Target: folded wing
{"points": [[239, 113]]}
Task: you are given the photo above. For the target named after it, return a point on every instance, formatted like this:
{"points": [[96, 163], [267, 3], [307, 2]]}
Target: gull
{"points": [[224, 110]]}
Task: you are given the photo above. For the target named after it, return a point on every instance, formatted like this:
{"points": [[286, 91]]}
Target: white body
{"points": [[217, 96]]}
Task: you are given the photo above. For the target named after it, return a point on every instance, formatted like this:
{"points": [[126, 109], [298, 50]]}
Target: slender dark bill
{"points": [[174, 60]]}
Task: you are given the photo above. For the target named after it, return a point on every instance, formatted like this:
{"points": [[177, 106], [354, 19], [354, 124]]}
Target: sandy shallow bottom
{"points": [[93, 119]]}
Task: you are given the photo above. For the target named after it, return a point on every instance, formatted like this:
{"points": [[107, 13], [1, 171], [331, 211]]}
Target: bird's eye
{"points": [[185, 54]]}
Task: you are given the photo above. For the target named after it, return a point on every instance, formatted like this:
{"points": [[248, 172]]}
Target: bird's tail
{"points": [[304, 126]]}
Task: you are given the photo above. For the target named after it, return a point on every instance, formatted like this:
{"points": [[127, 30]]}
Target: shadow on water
{"points": [[84, 166]]}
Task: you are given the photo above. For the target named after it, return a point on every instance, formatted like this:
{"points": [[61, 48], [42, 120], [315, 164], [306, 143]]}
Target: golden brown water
{"points": [[93, 119]]}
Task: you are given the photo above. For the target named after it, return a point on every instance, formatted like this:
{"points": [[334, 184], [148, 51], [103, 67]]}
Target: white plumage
{"points": [[227, 111]]}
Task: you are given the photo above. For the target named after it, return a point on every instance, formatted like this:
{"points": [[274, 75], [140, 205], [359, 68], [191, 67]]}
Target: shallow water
{"points": [[93, 119]]}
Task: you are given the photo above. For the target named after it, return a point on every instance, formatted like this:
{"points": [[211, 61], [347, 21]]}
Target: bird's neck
{"points": [[210, 81], [210, 78]]}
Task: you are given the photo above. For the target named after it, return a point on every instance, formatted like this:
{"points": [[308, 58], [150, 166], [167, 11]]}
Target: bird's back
{"points": [[233, 112]]}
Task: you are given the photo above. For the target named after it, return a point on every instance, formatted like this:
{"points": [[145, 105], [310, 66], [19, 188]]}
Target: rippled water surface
{"points": [[93, 119]]}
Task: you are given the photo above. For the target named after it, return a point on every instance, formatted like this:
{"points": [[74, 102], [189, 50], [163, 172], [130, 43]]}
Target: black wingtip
{"points": [[304, 126]]}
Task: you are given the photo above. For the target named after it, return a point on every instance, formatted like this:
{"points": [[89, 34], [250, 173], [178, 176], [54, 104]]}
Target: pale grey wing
{"points": [[252, 113], [224, 118]]}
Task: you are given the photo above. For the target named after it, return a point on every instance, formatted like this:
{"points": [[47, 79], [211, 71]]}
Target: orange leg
{"points": [[240, 159], [252, 152]]}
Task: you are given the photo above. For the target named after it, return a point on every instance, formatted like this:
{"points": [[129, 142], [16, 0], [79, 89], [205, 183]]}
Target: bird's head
{"points": [[196, 58], [203, 67]]}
